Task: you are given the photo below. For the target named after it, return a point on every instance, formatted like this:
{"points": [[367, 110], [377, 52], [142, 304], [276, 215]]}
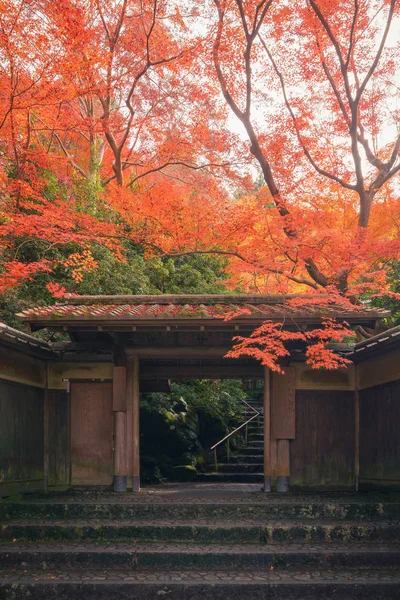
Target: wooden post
{"points": [[46, 428], [283, 425], [120, 466], [267, 430], [356, 430], [120, 449], [135, 427], [274, 459], [283, 466]]}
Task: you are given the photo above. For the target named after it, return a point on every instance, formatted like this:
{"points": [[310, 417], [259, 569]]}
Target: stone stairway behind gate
{"points": [[247, 464]]}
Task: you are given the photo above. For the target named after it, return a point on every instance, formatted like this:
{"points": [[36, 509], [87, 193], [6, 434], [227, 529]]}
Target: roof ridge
{"points": [[392, 332], [181, 298]]}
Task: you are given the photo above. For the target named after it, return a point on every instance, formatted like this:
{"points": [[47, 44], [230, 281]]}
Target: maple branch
{"points": [[70, 159], [8, 111], [293, 278], [169, 163], [332, 81], [119, 165], [371, 157], [379, 52], [394, 154], [247, 57], [336, 46], [221, 78], [108, 34], [178, 162], [263, 15], [352, 30], [243, 18], [255, 147], [356, 130], [383, 178], [307, 153]]}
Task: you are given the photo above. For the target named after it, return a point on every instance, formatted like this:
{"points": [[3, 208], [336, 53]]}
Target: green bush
{"points": [[178, 429]]}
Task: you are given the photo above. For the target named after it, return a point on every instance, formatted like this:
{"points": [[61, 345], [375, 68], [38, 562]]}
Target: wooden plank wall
{"points": [[322, 454], [92, 427], [380, 436], [21, 437], [58, 438]]}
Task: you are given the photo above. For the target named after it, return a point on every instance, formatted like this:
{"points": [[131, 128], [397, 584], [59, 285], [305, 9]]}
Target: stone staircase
{"points": [[246, 465], [200, 542]]}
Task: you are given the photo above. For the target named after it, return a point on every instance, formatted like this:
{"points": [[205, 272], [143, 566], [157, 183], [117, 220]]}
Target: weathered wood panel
{"points": [[322, 455], [283, 457], [380, 436], [15, 366], [314, 379], [92, 426], [21, 437], [58, 438], [379, 370], [267, 428], [59, 372], [283, 417], [119, 388]]}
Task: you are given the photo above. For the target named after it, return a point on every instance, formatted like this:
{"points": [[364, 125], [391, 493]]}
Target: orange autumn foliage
{"points": [[132, 100]]}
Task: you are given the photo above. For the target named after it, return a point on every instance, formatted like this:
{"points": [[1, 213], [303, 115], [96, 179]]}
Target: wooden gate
{"points": [[91, 433]]}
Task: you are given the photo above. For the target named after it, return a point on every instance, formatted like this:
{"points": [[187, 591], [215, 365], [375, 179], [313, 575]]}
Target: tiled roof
{"points": [[378, 344], [23, 341], [170, 308]]}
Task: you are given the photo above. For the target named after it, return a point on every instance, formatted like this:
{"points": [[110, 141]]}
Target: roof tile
{"points": [[125, 308]]}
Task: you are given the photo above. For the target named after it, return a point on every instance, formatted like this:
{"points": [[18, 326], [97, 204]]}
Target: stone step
{"points": [[253, 450], [79, 556], [205, 531], [113, 584], [258, 506], [219, 477], [240, 467], [247, 458], [262, 506], [255, 426]]}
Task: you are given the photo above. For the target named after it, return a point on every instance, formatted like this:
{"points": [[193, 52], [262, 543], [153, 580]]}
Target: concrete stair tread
{"points": [[242, 464], [211, 522], [238, 476], [247, 456], [170, 547], [236, 494], [227, 577], [237, 473]]}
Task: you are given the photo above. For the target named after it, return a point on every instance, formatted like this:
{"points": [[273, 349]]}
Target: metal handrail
{"points": [[227, 437]]}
